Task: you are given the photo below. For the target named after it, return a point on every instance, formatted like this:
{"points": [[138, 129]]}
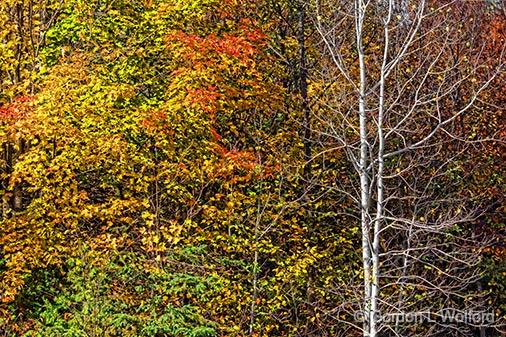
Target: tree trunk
{"points": [[303, 79]]}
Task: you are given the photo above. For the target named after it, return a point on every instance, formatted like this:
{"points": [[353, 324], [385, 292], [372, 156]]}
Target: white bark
{"points": [[360, 10]]}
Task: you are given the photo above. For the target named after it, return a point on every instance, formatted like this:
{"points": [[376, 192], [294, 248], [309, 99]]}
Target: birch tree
{"points": [[396, 90]]}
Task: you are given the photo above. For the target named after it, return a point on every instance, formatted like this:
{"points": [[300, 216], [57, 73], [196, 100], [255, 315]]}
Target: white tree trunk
{"points": [[360, 9]]}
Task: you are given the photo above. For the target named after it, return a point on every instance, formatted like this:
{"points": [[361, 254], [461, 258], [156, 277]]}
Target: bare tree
{"points": [[397, 92]]}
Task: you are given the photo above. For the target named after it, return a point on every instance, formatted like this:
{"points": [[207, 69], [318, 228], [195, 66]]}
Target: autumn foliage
{"points": [[153, 177]]}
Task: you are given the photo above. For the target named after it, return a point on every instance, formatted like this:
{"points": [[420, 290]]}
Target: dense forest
{"points": [[252, 168]]}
